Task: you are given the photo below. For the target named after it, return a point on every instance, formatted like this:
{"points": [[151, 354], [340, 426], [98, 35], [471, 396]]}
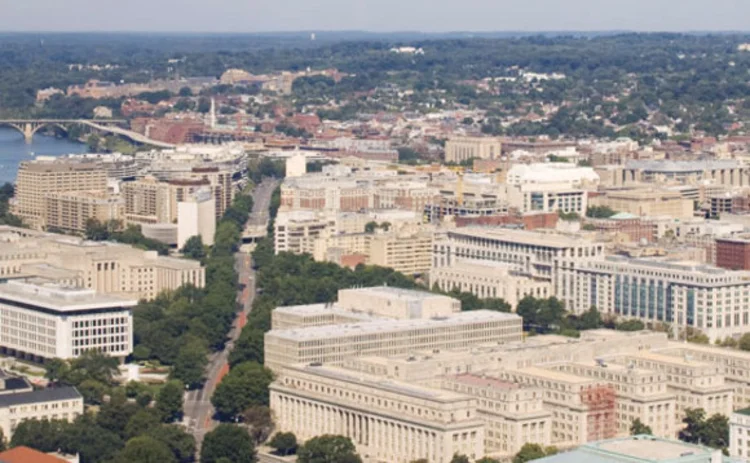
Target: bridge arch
{"points": [[18, 127]]}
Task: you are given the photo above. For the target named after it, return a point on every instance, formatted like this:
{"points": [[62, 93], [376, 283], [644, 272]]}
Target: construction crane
{"points": [[460, 184]]}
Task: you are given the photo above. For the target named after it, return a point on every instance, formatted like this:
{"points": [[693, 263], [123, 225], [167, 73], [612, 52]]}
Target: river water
{"points": [[13, 149]]}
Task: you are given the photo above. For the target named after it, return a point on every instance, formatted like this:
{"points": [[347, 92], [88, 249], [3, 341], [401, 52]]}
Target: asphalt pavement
{"points": [[198, 409]]}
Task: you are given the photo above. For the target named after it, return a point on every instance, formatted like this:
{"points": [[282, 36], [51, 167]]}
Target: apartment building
{"points": [[39, 178], [486, 279], [460, 149], [45, 320], [513, 414], [723, 172], [332, 344], [70, 211], [543, 256], [684, 294], [148, 201], [386, 420], [108, 268], [295, 230], [19, 401]]}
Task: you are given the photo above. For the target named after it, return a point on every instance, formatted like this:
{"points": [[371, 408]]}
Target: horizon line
{"points": [[391, 32]]}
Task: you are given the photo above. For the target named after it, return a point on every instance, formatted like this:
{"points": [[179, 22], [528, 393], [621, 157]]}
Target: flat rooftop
{"points": [[552, 374], [59, 298], [534, 238], [651, 449], [386, 385], [483, 381], [399, 293], [391, 326]]}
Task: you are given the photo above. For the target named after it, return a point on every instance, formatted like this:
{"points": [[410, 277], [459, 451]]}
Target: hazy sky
{"points": [[373, 15]]}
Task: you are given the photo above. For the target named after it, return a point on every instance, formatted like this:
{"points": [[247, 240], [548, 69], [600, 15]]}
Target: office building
{"points": [[648, 202], [43, 176], [386, 420], [45, 320], [487, 279], [148, 201], [550, 187], [733, 253], [332, 344], [543, 256], [723, 172], [460, 149], [513, 414], [105, 267], [683, 294], [196, 216], [407, 249]]}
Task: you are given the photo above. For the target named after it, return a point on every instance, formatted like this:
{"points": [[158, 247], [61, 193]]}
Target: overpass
{"points": [[29, 127]]}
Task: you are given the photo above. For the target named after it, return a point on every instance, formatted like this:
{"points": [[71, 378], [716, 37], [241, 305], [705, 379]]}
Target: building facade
{"points": [[460, 149]]}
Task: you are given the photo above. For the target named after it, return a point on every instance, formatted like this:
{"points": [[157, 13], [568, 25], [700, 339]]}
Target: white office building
{"points": [[48, 320], [196, 216]]}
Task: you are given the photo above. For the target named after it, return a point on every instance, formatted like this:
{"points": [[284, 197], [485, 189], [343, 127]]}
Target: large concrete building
{"points": [[487, 279], [720, 172], [381, 417], [647, 202], [550, 187], [543, 256], [108, 268], [44, 176], [46, 321], [682, 294], [460, 149]]}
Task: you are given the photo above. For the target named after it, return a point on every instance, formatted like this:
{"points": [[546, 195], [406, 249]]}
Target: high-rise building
{"points": [[70, 211]]}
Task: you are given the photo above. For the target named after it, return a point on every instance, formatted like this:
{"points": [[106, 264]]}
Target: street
{"points": [[198, 409]]}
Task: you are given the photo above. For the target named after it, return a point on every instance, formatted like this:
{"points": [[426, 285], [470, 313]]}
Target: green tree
{"points": [[248, 348], [93, 391], [284, 443], [230, 442], [370, 227], [487, 460], [43, 435], [145, 449], [529, 452], [246, 384], [637, 427], [744, 343], [600, 212], [93, 442], [457, 458], [194, 248], [259, 420], [328, 449], [169, 401], [190, 364], [713, 432], [142, 423], [630, 325], [180, 442]]}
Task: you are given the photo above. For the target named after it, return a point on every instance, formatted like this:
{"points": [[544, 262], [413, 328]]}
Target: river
{"points": [[13, 149]]}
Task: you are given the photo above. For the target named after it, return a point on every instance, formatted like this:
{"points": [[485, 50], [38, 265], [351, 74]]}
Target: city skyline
{"points": [[369, 15]]}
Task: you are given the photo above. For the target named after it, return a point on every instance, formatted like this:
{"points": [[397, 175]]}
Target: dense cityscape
{"points": [[375, 248]]}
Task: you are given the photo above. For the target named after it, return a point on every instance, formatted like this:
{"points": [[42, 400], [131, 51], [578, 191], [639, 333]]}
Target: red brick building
{"points": [[530, 221], [733, 253]]}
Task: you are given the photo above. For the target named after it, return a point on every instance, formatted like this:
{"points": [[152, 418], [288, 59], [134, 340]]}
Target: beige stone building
{"points": [[69, 211], [105, 267], [513, 414], [39, 178], [648, 202], [459, 149], [486, 279], [148, 201], [407, 250], [387, 420], [332, 344]]}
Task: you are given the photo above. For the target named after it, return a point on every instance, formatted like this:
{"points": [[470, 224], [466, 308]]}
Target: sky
{"points": [[373, 15]]}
